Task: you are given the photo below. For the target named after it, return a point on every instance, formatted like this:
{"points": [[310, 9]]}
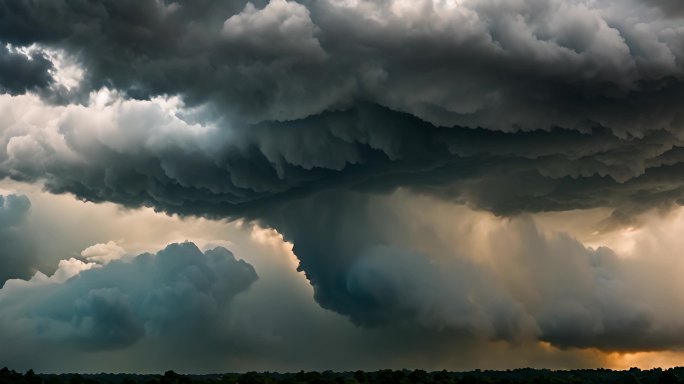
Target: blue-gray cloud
{"points": [[179, 292], [17, 253], [23, 72]]}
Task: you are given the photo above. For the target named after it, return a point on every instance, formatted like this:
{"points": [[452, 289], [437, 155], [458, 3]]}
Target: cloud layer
{"points": [[578, 99], [155, 153], [508, 66]]}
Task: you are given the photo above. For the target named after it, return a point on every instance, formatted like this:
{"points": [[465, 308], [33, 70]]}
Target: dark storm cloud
{"points": [[244, 172], [321, 180], [531, 65], [21, 72], [670, 8], [589, 94], [304, 113], [367, 258], [17, 254], [179, 292]]}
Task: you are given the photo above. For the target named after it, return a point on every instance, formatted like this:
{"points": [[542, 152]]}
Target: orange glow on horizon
{"points": [[644, 360]]}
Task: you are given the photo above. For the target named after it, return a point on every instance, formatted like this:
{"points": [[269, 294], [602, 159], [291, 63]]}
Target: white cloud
{"points": [[104, 253], [282, 29]]}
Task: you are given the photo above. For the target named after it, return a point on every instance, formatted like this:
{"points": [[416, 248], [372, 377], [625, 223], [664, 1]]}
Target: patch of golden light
{"points": [[654, 231], [644, 360], [545, 345], [272, 238], [624, 241]]}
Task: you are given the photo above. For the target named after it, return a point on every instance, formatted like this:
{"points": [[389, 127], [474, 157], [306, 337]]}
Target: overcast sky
{"points": [[214, 186]]}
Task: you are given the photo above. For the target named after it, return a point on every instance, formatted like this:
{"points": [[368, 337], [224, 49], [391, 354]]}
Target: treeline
{"points": [[516, 376]]}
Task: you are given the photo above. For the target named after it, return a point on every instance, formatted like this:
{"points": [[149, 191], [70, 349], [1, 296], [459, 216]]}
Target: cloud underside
{"points": [[137, 153], [504, 107], [325, 120]]}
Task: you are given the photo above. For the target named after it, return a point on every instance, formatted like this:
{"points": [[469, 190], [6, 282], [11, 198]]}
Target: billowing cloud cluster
{"points": [[559, 106], [309, 116], [500, 65], [180, 293]]}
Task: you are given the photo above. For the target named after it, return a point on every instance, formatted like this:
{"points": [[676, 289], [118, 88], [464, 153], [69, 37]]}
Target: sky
{"points": [[214, 186]]}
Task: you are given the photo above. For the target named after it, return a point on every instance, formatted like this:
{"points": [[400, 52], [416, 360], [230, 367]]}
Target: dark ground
{"points": [[534, 376]]}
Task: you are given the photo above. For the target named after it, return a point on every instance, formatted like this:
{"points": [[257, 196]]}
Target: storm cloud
{"points": [[312, 117], [509, 66], [443, 267], [17, 254], [180, 292], [151, 153], [580, 100], [21, 72]]}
